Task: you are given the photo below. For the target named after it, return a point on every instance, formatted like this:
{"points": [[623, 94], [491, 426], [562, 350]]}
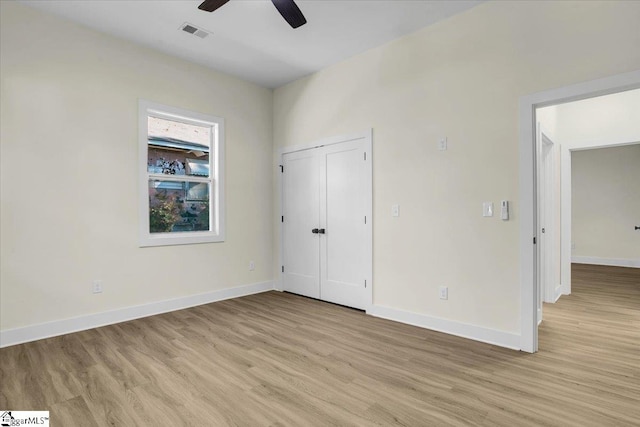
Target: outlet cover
{"points": [[442, 144], [444, 292], [252, 265]]}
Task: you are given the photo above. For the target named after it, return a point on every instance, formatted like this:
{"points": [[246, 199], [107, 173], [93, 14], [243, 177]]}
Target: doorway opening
{"points": [[531, 259], [605, 203], [597, 133]]}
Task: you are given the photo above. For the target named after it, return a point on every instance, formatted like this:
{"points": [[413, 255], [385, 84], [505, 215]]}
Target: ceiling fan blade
{"points": [[211, 5], [290, 12]]}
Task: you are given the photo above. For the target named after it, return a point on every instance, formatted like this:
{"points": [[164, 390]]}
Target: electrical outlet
{"points": [[252, 265], [96, 286], [573, 245], [444, 292], [442, 144]]}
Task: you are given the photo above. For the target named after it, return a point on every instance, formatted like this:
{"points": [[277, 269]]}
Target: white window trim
{"points": [[217, 234]]}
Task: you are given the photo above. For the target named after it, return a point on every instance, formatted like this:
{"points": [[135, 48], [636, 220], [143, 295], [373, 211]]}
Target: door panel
{"points": [[301, 194], [326, 188], [548, 218], [342, 212]]}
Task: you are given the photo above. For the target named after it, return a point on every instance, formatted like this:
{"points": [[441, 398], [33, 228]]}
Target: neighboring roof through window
{"points": [[176, 143]]}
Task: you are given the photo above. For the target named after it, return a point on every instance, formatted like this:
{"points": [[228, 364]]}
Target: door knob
{"points": [[321, 231], [314, 231]]}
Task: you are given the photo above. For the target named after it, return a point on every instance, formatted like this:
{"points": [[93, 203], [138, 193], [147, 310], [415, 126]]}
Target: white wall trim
{"points": [[615, 262], [15, 336], [215, 181], [527, 190], [325, 141], [565, 220], [557, 293], [464, 330]]}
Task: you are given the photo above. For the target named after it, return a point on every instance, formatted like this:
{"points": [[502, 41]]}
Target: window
{"points": [[181, 155]]}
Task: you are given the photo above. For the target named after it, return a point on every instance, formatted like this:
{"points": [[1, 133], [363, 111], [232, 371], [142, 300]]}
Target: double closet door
{"points": [[326, 232]]}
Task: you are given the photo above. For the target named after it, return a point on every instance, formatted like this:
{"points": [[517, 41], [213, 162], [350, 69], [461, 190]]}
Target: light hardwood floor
{"points": [[281, 359]]}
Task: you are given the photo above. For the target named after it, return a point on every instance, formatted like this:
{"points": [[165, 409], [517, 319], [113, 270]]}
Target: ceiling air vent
{"points": [[192, 29]]}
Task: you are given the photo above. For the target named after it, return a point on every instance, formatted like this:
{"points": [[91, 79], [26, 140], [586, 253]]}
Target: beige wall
{"points": [[70, 169], [461, 78], [606, 202]]}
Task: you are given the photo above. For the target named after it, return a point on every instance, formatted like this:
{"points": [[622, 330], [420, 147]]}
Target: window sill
{"points": [[171, 239]]}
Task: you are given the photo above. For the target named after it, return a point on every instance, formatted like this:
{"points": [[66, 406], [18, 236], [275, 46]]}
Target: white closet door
{"points": [[301, 192], [343, 246]]}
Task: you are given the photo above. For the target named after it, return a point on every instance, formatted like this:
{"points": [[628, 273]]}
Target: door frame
{"points": [[528, 191], [367, 137]]}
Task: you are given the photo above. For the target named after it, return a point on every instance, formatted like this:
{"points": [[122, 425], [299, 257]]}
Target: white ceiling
{"points": [[249, 37]]}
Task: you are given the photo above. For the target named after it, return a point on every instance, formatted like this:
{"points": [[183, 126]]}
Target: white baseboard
{"points": [[477, 333], [634, 263], [557, 292], [15, 336]]}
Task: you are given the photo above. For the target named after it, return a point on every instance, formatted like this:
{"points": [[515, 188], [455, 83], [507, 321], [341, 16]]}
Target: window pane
{"points": [[176, 148], [197, 191], [178, 206], [197, 167]]}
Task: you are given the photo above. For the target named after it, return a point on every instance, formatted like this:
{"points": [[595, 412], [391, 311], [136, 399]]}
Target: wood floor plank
{"points": [[276, 359], [72, 412]]}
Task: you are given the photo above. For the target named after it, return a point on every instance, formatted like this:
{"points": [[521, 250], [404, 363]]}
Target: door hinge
{"points": [[281, 169], [283, 268], [282, 219], [365, 283], [534, 240], [365, 219]]}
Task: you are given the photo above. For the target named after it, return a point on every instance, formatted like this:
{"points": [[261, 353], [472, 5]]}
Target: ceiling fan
{"points": [[287, 8]]}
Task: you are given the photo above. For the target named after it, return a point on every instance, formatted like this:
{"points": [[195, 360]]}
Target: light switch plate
{"points": [[487, 209], [96, 286]]}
